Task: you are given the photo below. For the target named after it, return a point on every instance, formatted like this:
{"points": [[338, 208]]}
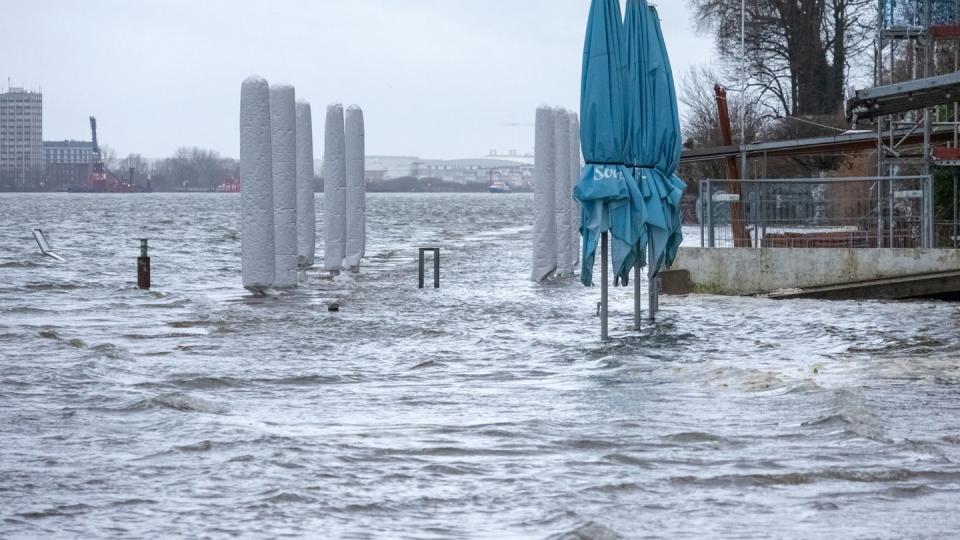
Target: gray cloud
{"points": [[438, 78]]}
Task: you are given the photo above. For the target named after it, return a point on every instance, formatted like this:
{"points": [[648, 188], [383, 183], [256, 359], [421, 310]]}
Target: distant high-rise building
{"points": [[21, 139], [67, 163]]}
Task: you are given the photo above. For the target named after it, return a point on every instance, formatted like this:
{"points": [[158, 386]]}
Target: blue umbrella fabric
{"points": [[606, 192], [653, 141], [669, 141]]}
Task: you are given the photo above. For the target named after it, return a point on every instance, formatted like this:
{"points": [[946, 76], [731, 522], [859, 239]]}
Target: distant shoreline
{"points": [[407, 184], [206, 192]]}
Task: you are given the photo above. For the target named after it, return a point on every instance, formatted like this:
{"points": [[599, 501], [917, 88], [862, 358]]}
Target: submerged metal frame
{"points": [[436, 266]]}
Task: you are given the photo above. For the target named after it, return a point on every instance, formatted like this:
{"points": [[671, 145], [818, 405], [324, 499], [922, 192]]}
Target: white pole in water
{"points": [[306, 199], [356, 189], [575, 172], [544, 198], [562, 192], [283, 114], [334, 191], [256, 175]]}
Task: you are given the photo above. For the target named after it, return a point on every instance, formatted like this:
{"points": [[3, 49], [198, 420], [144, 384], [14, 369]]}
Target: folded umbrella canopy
{"points": [[669, 145], [607, 194], [653, 133]]}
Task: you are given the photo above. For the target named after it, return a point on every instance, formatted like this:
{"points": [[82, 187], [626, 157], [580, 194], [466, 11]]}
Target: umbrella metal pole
{"points": [[604, 263], [651, 285], [637, 301]]}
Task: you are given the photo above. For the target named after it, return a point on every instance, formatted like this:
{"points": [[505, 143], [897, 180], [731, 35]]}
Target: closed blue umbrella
{"points": [[653, 143], [669, 142], [607, 194]]}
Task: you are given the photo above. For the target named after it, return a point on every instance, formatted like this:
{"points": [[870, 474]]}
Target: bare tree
{"points": [[195, 168], [109, 156], [798, 52], [207, 164], [701, 128], [135, 162]]}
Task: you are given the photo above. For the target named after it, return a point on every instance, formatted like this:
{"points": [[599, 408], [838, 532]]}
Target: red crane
{"points": [[98, 172]]}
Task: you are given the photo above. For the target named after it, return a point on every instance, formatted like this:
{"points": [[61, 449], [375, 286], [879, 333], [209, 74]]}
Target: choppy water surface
{"points": [[485, 409]]}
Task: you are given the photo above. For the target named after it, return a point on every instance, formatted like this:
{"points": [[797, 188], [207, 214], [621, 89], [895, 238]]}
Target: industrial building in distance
{"points": [[514, 171], [28, 163], [67, 163]]}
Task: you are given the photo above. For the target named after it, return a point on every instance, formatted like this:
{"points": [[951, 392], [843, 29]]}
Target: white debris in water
{"points": [[780, 292], [334, 190], [345, 278], [256, 175], [306, 201], [356, 188], [575, 171], [545, 219], [283, 114], [563, 192]]}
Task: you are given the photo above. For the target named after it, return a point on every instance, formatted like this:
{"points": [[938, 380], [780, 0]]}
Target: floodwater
{"points": [[485, 409]]}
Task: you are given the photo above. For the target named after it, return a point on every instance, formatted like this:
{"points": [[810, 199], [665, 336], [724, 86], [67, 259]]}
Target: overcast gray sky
{"points": [[436, 78]]}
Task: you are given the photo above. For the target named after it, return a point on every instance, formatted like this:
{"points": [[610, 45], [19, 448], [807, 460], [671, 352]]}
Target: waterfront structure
{"points": [[21, 139], [356, 194], [283, 133], [256, 175], [306, 200], [544, 197], [334, 190]]}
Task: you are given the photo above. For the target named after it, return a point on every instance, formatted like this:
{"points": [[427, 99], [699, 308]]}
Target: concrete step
{"points": [[940, 285]]}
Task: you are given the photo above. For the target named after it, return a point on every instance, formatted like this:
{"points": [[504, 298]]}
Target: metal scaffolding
{"points": [[916, 89]]}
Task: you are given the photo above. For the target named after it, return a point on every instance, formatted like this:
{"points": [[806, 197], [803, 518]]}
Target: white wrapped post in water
{"points": [[544, 198], [356, 189], [256, 176], [334, 191], [575, 171], [564, 191], [306, 203], [283, 114]]}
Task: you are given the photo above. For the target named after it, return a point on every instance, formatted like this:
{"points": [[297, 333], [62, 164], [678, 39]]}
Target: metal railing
{"points": [[860, 212]]}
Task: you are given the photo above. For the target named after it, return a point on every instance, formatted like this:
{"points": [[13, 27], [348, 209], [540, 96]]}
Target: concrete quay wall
{"points": [[763, 271]]}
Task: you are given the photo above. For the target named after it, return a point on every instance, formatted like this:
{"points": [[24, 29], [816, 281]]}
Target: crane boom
{"points": [[93, 129]]}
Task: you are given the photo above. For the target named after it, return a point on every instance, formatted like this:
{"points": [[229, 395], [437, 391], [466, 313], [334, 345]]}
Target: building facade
{"points": [[21, 139], [67, 163]]}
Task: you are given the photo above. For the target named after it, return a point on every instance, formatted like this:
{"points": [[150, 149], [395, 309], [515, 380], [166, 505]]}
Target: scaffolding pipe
{"points": [[956, 239]]}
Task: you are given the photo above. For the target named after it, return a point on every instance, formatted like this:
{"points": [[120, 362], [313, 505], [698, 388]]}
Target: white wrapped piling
{"points": [[564, 191], [544, 211], [256, 176], [356, 189], [306, 203], [575, 171], [283, 114], [334, 190]]}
